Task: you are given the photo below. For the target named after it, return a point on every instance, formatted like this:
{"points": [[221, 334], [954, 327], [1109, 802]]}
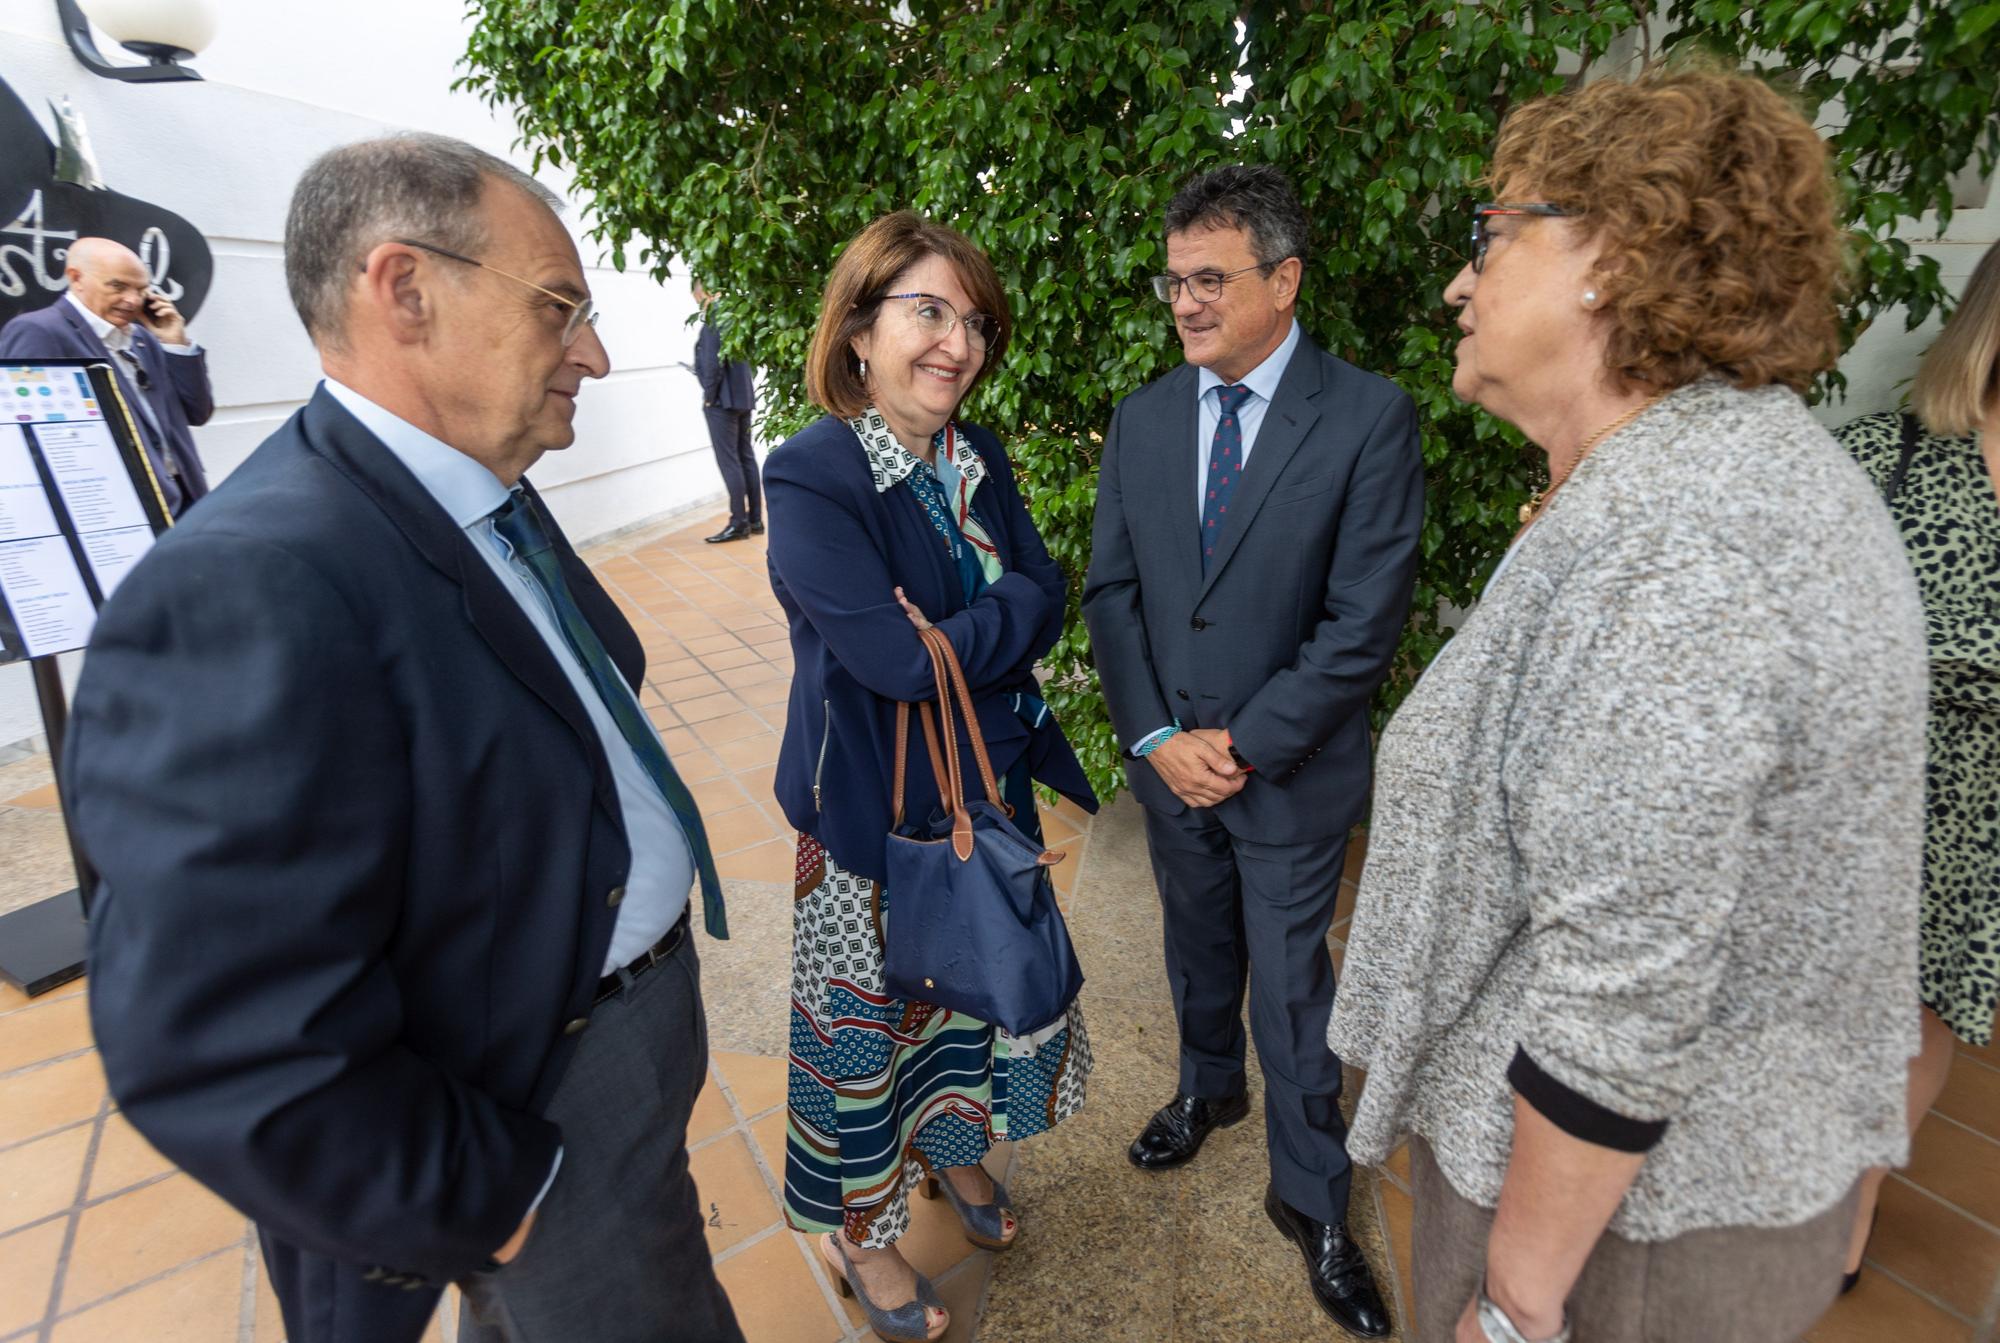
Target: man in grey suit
{"points": [[1251, 565]]}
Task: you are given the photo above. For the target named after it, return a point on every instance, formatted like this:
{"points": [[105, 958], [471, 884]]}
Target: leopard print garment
{"points": [[1949, 515]]}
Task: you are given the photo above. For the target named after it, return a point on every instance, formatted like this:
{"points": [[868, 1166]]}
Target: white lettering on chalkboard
{"points": [[38, 255]]}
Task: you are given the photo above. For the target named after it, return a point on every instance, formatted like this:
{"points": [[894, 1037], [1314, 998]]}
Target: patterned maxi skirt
{"points": [[881, 1090]]}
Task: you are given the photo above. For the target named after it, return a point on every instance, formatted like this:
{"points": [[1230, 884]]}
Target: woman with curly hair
{"points": [[1633, 963], [1938, 466]]}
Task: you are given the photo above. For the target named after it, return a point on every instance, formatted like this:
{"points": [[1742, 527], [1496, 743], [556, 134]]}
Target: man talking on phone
{"points": [[112, 312]]}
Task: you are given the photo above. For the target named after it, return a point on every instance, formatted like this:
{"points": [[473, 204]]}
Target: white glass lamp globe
{"points": [[185, 25]]}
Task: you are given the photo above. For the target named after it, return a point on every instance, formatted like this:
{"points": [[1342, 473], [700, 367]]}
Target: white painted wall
{"points": [[286, 80], [1884, 358]]}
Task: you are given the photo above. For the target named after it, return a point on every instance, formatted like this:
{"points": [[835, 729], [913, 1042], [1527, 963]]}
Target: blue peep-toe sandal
{"points": [[985, 1223], [907, 1323]]}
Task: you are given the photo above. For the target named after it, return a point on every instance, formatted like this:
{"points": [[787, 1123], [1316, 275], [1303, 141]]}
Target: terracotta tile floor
{"points": [[101, 1239]]}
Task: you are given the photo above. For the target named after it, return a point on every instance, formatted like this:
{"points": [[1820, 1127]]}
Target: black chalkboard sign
{"points": [[43, 216]]}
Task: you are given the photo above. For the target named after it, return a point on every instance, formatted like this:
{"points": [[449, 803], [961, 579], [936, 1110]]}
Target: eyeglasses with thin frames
{"points": [[1482, 239], [582, 313], [936, 316], [1204, 286]]}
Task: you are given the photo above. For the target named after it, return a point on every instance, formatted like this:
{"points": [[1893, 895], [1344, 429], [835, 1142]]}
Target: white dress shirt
{"points": [[663, 871]]}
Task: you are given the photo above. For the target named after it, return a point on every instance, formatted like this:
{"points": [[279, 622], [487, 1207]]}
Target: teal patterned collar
{"points": [[890, 462]]}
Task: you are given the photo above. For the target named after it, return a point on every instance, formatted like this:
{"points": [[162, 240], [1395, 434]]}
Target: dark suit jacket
{"points": [[838, 551], [726, 386], [179, 396], [357, 838], [1292, 629]]}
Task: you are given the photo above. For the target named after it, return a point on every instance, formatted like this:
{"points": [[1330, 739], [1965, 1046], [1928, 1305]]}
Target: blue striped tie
{"points": [[518, 521], [1225, 467]]}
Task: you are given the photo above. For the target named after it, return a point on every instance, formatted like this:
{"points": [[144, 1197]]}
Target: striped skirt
{"points": [[882, 1090]]}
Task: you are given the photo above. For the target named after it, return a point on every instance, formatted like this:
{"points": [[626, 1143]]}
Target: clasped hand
{"points": [[1195, 763]]}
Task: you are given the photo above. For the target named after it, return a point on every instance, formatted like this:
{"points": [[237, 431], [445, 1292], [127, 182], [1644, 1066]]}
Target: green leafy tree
{"points": [[750, 140]]}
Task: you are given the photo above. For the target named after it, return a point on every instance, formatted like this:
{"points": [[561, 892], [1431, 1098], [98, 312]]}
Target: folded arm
{"points": [[831, 567]]}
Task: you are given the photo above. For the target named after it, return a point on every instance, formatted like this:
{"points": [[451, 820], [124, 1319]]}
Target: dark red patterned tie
{"points": [[1225, 464]]}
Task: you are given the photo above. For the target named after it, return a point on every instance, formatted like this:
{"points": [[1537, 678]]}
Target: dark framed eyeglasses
{"points": [[1204, 286], [582, 312], [935, 317], [1483, 239]]}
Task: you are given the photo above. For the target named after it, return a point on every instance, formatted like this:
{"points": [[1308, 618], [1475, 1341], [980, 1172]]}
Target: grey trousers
{"points": [[617, 1253], [1748, 1284], [1233, 909]]}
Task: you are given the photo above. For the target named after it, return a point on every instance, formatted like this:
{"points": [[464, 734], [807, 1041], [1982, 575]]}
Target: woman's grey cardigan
{"points": [[1654, 820]]}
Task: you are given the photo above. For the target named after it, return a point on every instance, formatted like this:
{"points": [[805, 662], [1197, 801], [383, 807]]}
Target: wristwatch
{"points": [[1499, 1328]]}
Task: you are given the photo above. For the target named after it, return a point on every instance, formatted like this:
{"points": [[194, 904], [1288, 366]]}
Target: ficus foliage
{"points": [[749, 140]]}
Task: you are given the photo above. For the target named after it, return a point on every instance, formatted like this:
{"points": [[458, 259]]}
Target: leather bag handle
{"points": [[941, 649], [961, 818], [938, 770]]}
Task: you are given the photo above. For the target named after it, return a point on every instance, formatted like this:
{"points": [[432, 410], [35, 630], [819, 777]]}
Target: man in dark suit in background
{"points": [[113, 313], [1251, 565], [727, 398], [391, 949]]}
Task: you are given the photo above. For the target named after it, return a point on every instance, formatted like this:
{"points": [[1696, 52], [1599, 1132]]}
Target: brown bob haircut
{"points": [[867, 269], [1713, 199]]}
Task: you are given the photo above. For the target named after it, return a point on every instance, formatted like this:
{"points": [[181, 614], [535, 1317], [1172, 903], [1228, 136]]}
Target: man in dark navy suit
{"points": [[1251, 563], [392, 947], [728, 397], [113, 313]]}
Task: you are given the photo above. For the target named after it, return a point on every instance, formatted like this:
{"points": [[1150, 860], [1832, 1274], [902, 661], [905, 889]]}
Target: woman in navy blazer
{"points": [[888, 515]]}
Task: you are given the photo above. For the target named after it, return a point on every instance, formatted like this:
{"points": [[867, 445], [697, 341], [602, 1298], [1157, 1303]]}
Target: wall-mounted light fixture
{"points": [[165, 32]]}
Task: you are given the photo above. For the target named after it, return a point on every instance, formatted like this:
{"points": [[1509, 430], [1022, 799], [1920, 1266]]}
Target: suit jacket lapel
{"points": [[1175, 469], [1289, 418], [501, 622]]}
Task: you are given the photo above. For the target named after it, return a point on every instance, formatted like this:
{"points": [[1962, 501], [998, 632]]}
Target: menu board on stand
{"points": [[79, 507]]}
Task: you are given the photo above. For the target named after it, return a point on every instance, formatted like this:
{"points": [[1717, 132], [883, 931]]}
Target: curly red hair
{"points": [[1714, 201]]}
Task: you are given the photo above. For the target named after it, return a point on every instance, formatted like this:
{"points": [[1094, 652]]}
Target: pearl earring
{"points": [[1590, 298], [864, 370]]}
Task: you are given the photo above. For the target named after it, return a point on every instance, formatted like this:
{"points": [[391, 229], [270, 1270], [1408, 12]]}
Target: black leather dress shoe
{"points": [[1176, 1132], [735, 531], [756, 529], [1340, 1277]]}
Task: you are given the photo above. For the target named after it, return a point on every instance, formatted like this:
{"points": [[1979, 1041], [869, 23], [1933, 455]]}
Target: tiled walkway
{"points": [[101, 1240]]}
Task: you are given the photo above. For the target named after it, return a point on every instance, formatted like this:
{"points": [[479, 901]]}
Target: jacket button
{"points": [[1181, 693], [575, 1027], [1197, 624], [616, 898]]}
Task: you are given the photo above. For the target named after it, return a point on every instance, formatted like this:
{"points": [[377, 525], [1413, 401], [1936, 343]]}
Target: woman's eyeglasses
{"points": [[935, 317], [1482, 239]]}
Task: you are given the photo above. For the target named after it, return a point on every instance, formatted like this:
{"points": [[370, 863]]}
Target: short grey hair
{"points": [[359, 196], [1256, 198]]}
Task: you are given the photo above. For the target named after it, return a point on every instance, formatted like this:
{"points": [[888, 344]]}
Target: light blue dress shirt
{"points": [[663, 872], [1263, 383]]}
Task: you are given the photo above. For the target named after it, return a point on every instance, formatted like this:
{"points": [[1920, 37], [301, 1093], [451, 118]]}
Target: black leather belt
{"points": [[614, 983]]}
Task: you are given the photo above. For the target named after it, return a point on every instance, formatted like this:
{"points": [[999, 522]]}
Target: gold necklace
{"points": [[1540, 498]]}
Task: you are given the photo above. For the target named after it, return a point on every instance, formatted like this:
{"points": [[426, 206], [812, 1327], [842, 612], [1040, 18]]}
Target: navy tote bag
{"points": [[973, 923]]}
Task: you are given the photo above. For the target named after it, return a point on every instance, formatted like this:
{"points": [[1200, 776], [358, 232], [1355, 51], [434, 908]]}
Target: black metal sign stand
{"points": [[41, 945]]}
